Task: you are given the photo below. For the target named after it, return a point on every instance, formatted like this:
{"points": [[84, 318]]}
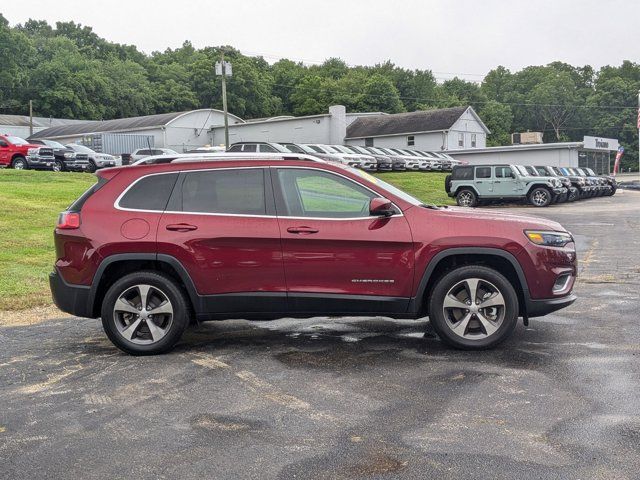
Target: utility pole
{"points": [[224, 69], [638, 125], [30, 117]]}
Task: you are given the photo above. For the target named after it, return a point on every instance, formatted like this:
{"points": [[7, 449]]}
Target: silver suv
{"points": [[472, 184]]}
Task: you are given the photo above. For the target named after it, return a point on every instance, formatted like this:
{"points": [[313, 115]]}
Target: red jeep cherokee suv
{"points": [[150, 248]]}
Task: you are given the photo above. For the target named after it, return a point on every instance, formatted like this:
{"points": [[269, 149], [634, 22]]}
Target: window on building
{"points": [[150, 193], [368, 142], [411, 140], [236, 191], [483, 172], [473, 140], [461, 139]]}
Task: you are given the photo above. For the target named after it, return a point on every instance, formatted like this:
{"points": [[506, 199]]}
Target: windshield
{"points": [[341, 149], [521, 170], [316, 149], [80, 148], [17, 140], [51, 143], [582, 172], [330, 149], [590, 172], [543, 171], [531, 171]]}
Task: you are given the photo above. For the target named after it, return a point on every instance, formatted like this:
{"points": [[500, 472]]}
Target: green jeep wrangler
{"points": [[472, 184]]}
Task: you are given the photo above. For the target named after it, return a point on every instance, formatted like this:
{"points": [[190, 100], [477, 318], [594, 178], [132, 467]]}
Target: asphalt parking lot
{"points": [[356, 398]]}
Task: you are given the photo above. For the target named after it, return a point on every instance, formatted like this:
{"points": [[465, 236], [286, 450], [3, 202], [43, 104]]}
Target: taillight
{"points": [[69, 220]]}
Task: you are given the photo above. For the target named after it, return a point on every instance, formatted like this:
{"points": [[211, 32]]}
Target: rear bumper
{"points": [[72, 299], [539, 308]]}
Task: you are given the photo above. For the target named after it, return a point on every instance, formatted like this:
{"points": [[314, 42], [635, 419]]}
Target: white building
{"points": [[441, 129], [179, 131]]}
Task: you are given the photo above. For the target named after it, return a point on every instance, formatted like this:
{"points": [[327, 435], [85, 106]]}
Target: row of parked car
{"points": [[541, 185], [372, 159], [18, 153]]}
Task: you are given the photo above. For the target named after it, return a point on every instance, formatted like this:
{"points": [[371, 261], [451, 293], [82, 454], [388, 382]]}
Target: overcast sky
{"points": [[463, 37]]}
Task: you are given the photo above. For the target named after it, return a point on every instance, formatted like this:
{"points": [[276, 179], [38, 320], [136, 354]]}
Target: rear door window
{"points": [[233, 191], [149, 193], [267, 149], [235, 148], [250, 148], [483, 172]]}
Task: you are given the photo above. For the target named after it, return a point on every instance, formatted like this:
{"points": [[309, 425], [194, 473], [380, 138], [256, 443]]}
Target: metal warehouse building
{"points": [[179, 131], [592, 152]]}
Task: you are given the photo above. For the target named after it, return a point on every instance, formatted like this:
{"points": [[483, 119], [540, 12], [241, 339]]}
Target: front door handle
{"points": [[181, 227], [302, 230]]}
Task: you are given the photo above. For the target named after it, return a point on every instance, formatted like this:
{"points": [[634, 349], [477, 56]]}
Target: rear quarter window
{"points": [[462, 173], [79, 203], [149, 193]]}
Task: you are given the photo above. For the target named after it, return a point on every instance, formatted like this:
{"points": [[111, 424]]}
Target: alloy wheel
{"points": [[143, 314], [18, 165], [465, 199], [474, 309], [540, 197]]}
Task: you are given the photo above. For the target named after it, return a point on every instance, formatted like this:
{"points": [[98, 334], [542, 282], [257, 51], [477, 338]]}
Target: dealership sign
{"points": [[599, 143]]}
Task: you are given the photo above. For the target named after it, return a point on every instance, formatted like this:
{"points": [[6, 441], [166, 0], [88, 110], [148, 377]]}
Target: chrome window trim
{"points": [[116, 203]]}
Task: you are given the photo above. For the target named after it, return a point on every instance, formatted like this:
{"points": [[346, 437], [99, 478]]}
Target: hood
{"points": [[525, 221]]}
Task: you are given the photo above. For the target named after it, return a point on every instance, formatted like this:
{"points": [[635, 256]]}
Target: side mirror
{"points": [[381, 207]]}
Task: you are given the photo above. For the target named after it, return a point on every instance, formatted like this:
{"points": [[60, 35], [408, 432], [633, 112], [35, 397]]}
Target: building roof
{"points": [[403, 123], [118, 125], [38, 122]]}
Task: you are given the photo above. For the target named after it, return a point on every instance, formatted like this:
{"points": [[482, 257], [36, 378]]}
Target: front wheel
{"points": [[473, 308], [466, 198], [91, 168], [58, 166], [20, 163], [145, 313], [540, 197]]}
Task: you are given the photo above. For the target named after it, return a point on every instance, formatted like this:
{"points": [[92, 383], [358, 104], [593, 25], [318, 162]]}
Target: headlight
{"points": [[548, 239], [32, 151], [69, 155]]}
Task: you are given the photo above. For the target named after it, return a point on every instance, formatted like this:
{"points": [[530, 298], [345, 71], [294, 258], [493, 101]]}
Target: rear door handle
{"points": [[302, 230], [181, 227]]}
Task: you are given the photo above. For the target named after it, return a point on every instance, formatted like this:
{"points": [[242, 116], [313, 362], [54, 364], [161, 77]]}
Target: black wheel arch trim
{"points": [[416, 302], [154, 257]]}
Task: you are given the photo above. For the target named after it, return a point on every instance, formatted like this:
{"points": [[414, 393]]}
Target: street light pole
{"points": [[224, 103], [638, 125]]}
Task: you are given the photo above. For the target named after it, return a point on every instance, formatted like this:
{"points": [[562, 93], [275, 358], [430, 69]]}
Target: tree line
{"points": [[71, 72]]}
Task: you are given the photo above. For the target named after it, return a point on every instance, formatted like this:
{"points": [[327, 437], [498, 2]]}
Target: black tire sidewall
{"points": [[447, 281], [61, 164], [175, 294], [92, 167]]}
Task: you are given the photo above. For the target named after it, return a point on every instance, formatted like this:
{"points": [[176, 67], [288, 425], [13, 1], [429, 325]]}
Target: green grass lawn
{"points": [[31, 201]]}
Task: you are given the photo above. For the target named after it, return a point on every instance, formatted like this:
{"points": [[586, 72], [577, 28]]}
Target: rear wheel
{"points": [[473, 308], [540, 197], [466, 198], [20, 163], [145, 313]]}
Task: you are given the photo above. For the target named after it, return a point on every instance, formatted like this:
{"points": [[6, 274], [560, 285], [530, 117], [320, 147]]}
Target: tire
{"points": [[58, 166], [20, 163], [483, 328], [540, 197], [135, 333], [92, 167], [612, 192], [573, 196], [466, 197], [447, 183]]}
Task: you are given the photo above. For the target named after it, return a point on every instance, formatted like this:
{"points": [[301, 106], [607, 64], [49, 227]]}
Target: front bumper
{"points": [[72, 299], [38, 161], [539, 308], [105, 163], [559, 191]]}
